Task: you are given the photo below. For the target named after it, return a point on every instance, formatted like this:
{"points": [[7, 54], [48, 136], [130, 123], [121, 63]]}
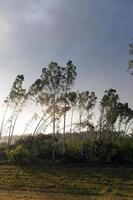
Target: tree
{"points": [[108, 113], [69, 76], [130, 64], [17, 95], [19, 98], [72, 99], [14, 100], [51, 84], [85, 103]]}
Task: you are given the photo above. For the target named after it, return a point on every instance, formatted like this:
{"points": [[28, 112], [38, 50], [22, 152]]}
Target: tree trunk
{"points": [[64, 130], [38, 124], [129, 127], [15, 120], [3, 120], [53, 150], [71, 122], [81, 145], [41, 125]]}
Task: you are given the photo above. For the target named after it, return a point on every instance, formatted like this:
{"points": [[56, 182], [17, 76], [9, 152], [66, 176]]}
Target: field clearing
{"points": [[65, 182]]}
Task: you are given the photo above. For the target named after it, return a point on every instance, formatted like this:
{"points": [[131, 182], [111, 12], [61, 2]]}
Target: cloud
{"points": [[91, 33]]}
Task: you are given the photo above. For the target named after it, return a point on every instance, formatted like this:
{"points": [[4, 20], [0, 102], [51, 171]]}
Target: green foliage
{"points": [[22, 154], [31, 148], [72, 146], [39, 148]]}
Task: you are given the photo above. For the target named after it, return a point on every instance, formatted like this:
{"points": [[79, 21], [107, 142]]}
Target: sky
{"points": [[93, 34]]}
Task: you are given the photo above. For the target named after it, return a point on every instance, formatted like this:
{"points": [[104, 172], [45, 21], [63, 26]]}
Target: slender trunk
{"points": [[9, 135], [129, 127], [119, 126], [47, 125], [38, 124], [11, 125], [53, 150], [100, 128], [71, 122], [80, 122], [70, 125], [3, 120], [102, 136], [29, 124], [15, 120], [125, 127], [64, 126], [64, 131]]}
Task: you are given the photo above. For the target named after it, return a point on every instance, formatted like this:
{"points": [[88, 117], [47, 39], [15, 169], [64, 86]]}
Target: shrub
{"points": [[22, 154]]}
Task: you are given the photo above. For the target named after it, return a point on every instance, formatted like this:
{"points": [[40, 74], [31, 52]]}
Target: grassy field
{"points": [[65, 182]]}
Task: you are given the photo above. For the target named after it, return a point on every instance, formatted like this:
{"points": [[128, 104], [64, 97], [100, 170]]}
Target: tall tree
{"points": [[18, 94], [72, 99], [108, 113], [13, 101], [125, 116], [130, 64], [51, 82], [69, 76], [85, 103], [20, 97]]}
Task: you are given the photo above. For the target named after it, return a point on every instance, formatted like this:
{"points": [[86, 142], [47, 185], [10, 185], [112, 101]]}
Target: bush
{"points": [[22, 154]]}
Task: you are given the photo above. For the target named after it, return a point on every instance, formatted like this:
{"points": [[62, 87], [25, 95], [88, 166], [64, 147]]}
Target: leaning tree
{"points": [[13, 101], [47, 93], [130, 63], [108, 114]]}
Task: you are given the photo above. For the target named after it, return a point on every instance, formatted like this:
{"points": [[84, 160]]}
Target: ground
{"points": [[65, 182]]}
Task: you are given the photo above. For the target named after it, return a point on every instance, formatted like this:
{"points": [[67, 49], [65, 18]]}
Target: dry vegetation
{"points": [[65, 182]]}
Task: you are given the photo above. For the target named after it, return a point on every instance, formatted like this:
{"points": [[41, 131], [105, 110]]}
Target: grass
{"points": [[70, 182]]}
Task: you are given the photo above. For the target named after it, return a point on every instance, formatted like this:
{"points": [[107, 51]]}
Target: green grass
{"points": [[58, 181]]}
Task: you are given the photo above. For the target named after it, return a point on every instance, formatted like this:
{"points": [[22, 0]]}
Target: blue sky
{"points": [[94, 34]]}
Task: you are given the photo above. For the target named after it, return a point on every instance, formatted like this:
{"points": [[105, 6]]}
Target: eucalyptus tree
{"points": [[72, 99], [30, 94], [129, 120], [108, 112], [85, 103], [16, 97], [69, 76], [46, 101], [125, 116], [43, 99], [20, 97], [91, 102], [13, 100], [130, 64], [51, 83]]}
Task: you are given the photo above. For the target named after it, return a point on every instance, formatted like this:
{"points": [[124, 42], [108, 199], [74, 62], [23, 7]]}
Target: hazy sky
{"points": [[94, 34]]}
